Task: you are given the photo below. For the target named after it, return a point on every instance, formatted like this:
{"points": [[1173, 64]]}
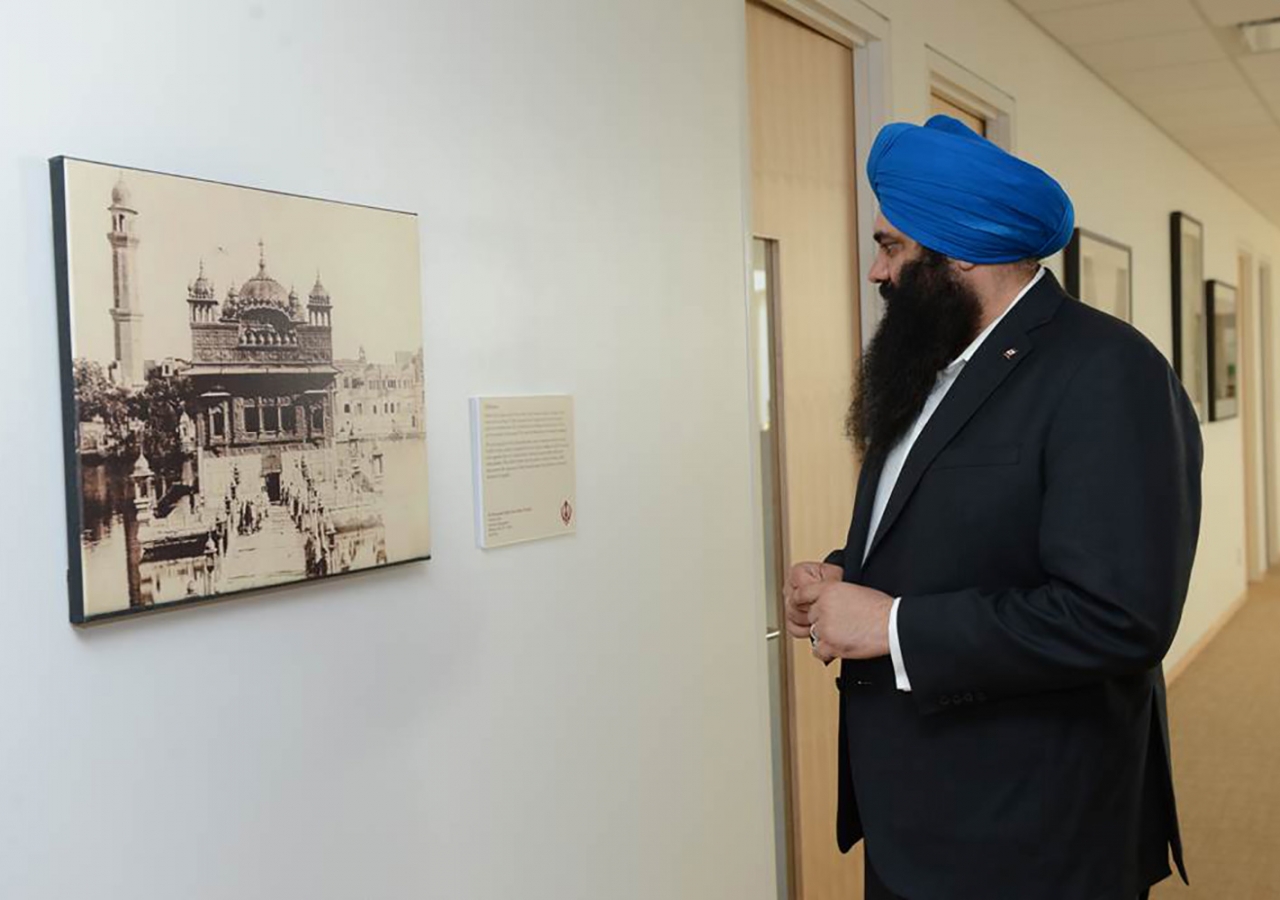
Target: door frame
{"points": [[1249, 338], [966, 89], [1267, 370]]}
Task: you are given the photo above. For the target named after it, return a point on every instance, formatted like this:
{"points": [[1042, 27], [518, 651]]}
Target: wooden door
{"points": [[804, 216], [941, 105]]}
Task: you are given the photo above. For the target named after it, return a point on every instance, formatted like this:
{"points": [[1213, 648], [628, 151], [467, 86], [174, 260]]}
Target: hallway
{"points": [[1224, 713]]}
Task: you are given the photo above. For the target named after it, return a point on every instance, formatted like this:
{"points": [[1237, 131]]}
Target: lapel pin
{"points": [[1010, 353]]}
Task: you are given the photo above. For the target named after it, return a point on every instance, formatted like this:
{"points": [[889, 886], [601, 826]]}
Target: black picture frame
{"points": [[307, 322], [1190, 324], [1088, 247], [1222, 312]]}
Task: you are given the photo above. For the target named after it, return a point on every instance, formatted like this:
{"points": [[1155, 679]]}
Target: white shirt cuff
{"points": [[895, 650]]}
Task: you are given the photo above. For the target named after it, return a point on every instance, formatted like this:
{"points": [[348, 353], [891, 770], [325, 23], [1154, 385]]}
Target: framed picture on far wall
{"points": [[242, 388], [1190, 324], [1224, 351], [1099, 271]]}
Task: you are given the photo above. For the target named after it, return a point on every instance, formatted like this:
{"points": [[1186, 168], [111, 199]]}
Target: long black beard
{"points": [[930, 318]]}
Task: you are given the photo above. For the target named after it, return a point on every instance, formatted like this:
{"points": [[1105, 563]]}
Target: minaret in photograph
{"points": [[125, 312]]}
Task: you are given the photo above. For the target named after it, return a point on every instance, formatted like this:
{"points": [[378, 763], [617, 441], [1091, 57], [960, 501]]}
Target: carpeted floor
{"points": [[1224, 713]]}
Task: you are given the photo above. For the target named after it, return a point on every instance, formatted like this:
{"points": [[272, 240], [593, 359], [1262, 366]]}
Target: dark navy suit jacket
{"points": [[1041, 535]]}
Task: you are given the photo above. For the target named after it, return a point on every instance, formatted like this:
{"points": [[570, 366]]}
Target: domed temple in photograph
{"points": [[262, 368], [264, 380]]}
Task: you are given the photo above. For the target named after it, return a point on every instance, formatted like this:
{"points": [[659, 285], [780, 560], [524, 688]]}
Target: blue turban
{"points": [[953, 191]]}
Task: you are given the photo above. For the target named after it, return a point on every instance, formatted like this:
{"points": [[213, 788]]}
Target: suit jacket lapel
{"points": [[1002, 352], [856, 543]]}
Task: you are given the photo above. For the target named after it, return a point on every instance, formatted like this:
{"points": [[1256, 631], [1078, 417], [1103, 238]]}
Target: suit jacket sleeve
{"points": [[1120, 518]]}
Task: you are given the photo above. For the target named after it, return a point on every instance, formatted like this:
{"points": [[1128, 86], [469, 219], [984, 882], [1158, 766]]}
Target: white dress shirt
{"points": [[898, 456]]}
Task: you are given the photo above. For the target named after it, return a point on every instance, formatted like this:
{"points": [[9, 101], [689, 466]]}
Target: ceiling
{"points": [[1186, 66]]}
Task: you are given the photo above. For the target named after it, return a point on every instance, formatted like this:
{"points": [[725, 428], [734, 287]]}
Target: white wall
{"points": [[579, 718]]}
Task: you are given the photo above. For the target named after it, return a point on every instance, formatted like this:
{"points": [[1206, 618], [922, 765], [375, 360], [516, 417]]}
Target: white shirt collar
{"points": [[969, 351]]}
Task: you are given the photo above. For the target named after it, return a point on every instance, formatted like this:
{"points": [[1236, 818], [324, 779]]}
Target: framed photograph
{"points": [[243, 388], [1190, 324], [1099, 271], [1224, 351]]}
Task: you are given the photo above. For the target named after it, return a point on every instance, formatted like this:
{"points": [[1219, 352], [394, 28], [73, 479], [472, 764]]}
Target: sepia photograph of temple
{"points": [[246, 388]]}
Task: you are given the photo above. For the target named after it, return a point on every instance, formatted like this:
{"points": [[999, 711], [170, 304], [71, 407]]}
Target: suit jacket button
{"points": [[944, 700], [957, 698], [968, 697]]}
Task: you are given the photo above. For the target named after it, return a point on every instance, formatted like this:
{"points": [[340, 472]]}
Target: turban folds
{"points": [[947, 187]]}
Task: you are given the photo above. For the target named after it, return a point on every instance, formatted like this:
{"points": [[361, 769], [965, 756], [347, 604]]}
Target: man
{"points": [[1022, 539]]}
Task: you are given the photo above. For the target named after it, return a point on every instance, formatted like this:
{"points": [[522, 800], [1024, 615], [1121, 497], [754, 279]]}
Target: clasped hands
{"points": [[842, 620]]}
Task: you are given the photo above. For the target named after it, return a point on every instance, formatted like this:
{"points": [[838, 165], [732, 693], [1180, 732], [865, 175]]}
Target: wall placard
{"points": [[523, 467]]}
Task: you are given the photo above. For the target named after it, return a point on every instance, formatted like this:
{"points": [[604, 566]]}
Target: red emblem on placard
{"points": [[566, 513]]}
